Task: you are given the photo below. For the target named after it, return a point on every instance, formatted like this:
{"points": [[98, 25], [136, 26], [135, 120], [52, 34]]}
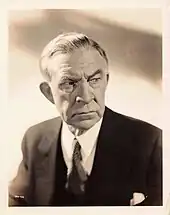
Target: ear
{"points": [[46, 90]]}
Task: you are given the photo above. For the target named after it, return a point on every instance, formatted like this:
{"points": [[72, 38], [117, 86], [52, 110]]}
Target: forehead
{"points": [[86, 60]]}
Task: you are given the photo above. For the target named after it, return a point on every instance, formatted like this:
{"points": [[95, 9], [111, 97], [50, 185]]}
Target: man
{"points": [[90, 155]]}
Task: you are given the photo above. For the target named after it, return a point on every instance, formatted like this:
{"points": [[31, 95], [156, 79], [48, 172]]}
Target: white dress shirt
{"points": [[88, 142]]}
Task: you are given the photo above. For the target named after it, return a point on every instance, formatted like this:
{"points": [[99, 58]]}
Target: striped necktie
{"points": [[77, 177]]}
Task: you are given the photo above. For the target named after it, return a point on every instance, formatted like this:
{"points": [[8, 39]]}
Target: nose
{"points": [[84, 93]]}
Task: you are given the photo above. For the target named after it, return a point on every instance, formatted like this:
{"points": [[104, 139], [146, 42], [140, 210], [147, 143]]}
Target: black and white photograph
{"points": [[85, 98]]}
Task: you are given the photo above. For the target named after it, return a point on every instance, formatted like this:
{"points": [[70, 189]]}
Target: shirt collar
{"points": [[86, 140]]}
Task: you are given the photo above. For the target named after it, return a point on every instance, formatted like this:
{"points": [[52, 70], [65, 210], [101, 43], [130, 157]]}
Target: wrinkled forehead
{"points": [[80, 60]]}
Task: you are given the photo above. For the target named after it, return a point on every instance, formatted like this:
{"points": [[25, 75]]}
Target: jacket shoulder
{"points": [[134, 125], [45, 129]]}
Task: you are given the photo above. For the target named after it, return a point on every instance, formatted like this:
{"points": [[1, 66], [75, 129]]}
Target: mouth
{"points": [[83, 113]]}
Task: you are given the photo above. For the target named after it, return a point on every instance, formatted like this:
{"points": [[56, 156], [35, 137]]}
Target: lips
{"points": [[83, 113]]}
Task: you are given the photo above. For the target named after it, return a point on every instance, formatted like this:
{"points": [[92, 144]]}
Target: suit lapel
{"points": [[107, 141], [45, 165]]}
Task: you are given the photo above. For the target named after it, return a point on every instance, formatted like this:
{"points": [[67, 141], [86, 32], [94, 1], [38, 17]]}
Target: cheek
{"points": [[100, 94], [64, 102]]}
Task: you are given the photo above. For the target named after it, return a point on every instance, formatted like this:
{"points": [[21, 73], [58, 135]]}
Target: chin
{"points": [[85, 124]]}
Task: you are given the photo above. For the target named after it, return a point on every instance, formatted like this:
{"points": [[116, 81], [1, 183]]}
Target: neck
{"points": [[76, 131]]}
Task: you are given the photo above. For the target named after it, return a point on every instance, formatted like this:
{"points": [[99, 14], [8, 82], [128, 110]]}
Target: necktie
{"points": [[77, 177]]}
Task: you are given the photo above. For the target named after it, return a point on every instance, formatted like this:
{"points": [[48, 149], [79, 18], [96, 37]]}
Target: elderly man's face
{"points": [[78, 87]]}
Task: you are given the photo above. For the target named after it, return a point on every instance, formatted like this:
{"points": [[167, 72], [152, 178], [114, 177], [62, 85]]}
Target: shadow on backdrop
{"points": [[139, 51]]}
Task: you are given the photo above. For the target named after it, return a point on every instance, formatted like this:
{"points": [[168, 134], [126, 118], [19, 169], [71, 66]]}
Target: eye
{"points": [[70, 83], [94, 81], [68, 86]]}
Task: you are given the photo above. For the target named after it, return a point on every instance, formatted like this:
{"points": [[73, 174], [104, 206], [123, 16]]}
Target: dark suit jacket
{"points": [[128, 157]]}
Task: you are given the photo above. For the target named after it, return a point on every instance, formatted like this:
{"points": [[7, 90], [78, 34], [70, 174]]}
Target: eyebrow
{"points": [[99, 71], [69, 77], [75, 78]]}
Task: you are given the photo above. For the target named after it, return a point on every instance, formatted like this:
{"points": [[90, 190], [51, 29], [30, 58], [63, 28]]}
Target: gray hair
{"points": [[63, 44]]}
